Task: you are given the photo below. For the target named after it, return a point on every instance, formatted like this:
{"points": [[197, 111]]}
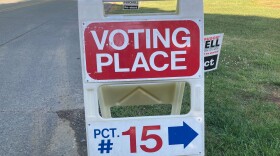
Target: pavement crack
{"points": [[21, 35]]}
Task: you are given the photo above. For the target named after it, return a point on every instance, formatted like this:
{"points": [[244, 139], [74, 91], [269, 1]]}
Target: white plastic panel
{"points": [[100, 136]]}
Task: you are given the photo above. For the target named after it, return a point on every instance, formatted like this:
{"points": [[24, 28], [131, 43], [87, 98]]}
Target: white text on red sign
{"points": [[142, 50]]}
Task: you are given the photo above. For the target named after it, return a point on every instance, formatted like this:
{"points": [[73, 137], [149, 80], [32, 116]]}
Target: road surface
{"points": [[41, 99]]}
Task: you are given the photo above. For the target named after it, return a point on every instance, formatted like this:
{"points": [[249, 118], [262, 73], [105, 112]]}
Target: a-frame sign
{"points": [[124, 59]]}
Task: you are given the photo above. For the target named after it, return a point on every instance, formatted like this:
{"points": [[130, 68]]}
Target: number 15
{"points": [[145, 136]]}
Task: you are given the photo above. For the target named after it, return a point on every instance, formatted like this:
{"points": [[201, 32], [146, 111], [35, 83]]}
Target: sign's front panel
{"points": [[173, 136], [142, 50], [139, 48]]}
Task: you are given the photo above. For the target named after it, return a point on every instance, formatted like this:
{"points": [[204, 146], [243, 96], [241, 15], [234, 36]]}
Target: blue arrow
{"points": [[181, 135]]}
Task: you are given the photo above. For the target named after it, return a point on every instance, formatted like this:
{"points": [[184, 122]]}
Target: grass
{"points": [[242, 97], [242, 105], [261, 8]]}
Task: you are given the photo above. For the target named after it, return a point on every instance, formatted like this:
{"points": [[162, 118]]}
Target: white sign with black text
{"points": [[130, 5], [212, 49]]}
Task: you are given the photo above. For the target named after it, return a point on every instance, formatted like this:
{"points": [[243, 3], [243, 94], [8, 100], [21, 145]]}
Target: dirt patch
{"points": [[269, 3], [274, 93], [275, 97], [76, 118]]}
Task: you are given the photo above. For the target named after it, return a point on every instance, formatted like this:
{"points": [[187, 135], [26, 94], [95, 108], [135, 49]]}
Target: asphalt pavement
{"points": [[41, 98]]}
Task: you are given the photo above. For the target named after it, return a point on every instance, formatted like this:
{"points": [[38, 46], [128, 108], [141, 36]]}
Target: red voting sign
{"points": [[142, 49]]}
